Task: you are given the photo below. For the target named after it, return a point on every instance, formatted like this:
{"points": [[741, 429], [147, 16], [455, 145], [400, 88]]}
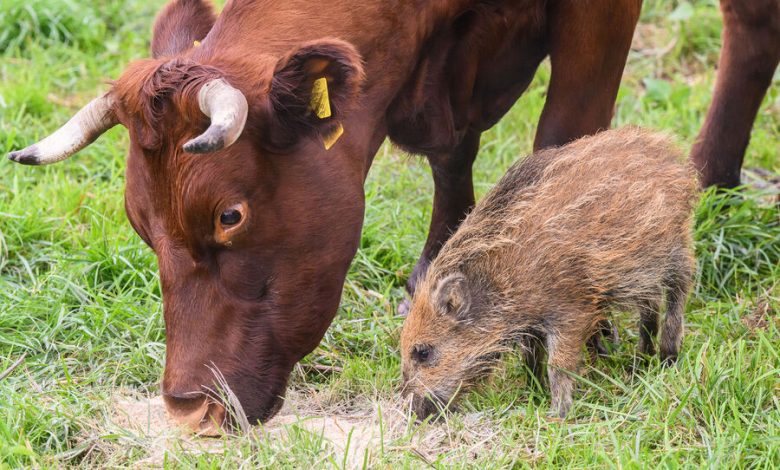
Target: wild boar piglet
{"points": [[567, 236]]}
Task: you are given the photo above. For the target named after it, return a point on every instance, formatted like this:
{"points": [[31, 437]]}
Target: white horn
{"points": [[227, 107], [92, 121]]}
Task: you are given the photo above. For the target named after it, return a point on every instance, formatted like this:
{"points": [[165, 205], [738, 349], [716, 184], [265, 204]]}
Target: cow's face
{"points": [[252, 251], [239, 182], [254, 240]]}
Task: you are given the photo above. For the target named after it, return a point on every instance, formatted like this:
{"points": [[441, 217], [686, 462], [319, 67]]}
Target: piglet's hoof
{"points": [[404, 308], [596, 347], [610, 331]]}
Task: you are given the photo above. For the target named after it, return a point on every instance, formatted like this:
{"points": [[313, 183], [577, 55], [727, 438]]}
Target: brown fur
{"points": [[250, 302], [431, 75], [567, 235]]}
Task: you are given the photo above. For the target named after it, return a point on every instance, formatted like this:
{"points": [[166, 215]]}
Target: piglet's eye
{"points": [[422, 353], [230, 217]]}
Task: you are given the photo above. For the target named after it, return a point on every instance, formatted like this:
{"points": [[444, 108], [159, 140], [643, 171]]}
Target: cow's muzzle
{"points": [[196, 412]]}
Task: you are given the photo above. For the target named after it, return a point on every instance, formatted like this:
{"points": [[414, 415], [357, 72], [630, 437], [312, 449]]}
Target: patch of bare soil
{"points": [[765, 181], [651, 40], [354, 431]]}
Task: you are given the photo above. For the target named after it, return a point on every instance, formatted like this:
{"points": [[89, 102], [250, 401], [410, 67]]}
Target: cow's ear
{"points": [[452, 296], [180, 25], [312, 88]]}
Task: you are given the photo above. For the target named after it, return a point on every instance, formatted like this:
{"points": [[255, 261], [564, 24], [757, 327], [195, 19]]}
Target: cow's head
{"points": [[241, 189]]}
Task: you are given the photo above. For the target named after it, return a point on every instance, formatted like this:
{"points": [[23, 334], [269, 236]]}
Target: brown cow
{"points": [[254, 222], [751, 52]]}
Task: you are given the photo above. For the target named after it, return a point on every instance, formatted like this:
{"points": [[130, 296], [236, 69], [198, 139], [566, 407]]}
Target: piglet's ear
{"points": [[313, 86], [452, 296]]}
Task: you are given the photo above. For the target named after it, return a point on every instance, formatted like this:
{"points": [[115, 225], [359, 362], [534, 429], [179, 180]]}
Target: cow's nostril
{"points": [[196, 412], [215, 422]]}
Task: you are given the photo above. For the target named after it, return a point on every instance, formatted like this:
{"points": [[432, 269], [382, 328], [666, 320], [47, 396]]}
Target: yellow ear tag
{"points": [[196, 43], [331, 139], [320, 99]]}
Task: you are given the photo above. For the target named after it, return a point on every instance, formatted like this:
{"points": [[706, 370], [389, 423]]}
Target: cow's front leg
{"points": [[589, 44], [751, 51], [452, 200]]}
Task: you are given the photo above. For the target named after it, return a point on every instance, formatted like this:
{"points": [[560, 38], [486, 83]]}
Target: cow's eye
{"points": [[230, 217], [422, 353], [228, 223]]}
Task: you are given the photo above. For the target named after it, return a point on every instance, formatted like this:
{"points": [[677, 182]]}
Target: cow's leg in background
{"points": [[751, 51], [452, 200], [589, 45]]}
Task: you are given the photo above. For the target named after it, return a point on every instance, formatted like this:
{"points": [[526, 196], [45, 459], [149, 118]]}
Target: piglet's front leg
{"points": [[563, 358]]}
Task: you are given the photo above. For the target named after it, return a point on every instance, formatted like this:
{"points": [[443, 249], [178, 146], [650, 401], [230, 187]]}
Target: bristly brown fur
{"points": [[567, 235]]}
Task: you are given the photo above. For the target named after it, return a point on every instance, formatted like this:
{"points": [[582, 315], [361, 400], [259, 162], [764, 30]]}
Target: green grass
{"points": [[80, 297]]}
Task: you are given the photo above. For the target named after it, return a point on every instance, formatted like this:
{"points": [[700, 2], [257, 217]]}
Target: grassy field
{"points": [[80, 302]]}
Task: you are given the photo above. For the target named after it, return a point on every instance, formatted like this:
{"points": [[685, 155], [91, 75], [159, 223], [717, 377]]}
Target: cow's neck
{"points": [[388, 34]]}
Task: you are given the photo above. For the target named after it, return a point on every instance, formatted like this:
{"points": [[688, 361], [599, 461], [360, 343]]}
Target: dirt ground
{"points": [[354, 434]]}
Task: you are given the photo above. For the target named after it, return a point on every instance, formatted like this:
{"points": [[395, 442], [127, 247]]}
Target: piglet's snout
{"points": [[424, 406]]}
